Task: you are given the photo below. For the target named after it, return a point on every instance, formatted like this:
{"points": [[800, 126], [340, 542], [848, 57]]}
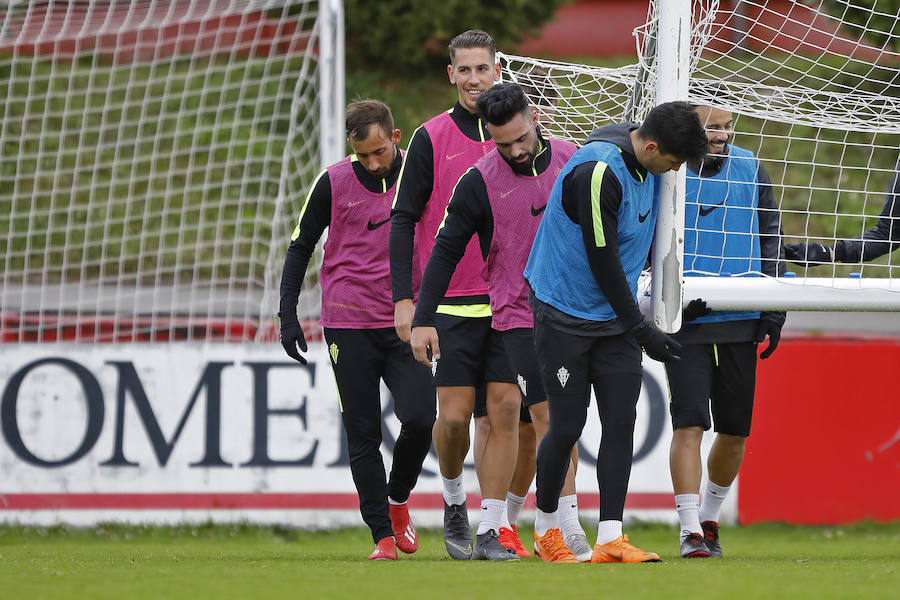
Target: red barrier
{"points": [[604, 28], [825, 446], [141, 32]]}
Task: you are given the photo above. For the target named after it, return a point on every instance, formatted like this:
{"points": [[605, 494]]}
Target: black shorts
{"points": [[480, 401], [720, 376], [570, 363], [471, 352], [361, 358], [519, 344]]}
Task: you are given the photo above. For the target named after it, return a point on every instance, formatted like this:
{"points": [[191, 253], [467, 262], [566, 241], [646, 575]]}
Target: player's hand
{"points": [[694, 310], [808, 253], [404, 310], [655, 343], [291, 338], [770, 324], [421, 339]]}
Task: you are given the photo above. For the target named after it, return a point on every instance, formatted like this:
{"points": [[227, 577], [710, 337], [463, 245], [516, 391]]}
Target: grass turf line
{"points": [[245, 561]]}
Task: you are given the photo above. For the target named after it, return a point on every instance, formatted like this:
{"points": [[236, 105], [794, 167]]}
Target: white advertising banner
{"points": [[174, 433]]}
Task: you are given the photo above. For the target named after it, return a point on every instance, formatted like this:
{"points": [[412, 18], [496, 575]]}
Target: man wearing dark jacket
{"points": [[732, 228], [592, 243]]}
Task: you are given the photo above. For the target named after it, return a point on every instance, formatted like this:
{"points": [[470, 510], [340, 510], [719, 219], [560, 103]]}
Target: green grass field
{"points": [[244, 561]]}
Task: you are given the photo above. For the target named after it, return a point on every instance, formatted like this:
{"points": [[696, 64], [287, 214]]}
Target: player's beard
{"points": [[526, 167], [711, 163]]}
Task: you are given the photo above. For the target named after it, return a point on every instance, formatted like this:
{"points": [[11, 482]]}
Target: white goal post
{"points": [[814, 88], [154, 157]]}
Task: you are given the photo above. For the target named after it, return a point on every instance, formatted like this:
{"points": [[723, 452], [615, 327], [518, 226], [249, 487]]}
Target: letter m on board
{"points": [[130, 385]]}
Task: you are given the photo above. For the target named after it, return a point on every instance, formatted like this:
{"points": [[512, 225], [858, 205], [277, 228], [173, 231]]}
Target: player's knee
{"points": [[419, 424], [504, 413], [562, 433], [733, 444], [453, 424], [482, 426], [540, 415], [527, 437], [691, 436], [363, 441]]}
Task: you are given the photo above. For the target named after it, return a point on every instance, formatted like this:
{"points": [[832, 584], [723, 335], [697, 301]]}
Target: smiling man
{"points": [[731, 227], [353, 198], [501, 199], [473, 365]]}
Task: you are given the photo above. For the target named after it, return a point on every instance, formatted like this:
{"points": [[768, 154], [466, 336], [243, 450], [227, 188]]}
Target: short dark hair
{"points": [[500, 103], [677, 129], [473, 38], [706, 93], [537, 85], [363, 113]]}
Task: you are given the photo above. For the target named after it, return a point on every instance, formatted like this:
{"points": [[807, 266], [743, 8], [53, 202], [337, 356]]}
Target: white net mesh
{"points": [[814, 88], [154, 155], [573, 99]]}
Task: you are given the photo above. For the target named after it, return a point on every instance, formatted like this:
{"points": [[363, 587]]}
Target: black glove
{"points": [[694, 310], [807, 253], [770, 324], [655, 343], [291, 338]]}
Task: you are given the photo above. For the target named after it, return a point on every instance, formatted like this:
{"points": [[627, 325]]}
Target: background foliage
{"points": [[398, 35]]}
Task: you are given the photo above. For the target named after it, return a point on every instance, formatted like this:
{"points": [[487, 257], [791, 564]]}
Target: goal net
{"points": [[814, 88], [154, 155]]}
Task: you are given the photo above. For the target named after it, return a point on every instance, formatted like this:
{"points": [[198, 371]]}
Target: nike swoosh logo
{"points": [[643, 217], [467, 549], [373, 226], [452, 156], [505, 194], [616, 555], [537, 211], [705, 211]]}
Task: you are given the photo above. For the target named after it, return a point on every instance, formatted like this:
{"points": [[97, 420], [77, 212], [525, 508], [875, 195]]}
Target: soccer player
{"points": [[583, 269], [541, 91], [878, 241], [732, 228], [439, 153], [502, 198], [352, 198]]}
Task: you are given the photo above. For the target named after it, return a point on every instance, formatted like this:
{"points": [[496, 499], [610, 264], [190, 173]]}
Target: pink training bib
{"points": [[356, 272], [517, 204], [453, 154]]}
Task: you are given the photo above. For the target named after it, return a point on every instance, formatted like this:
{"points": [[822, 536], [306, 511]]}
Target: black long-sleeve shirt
{"points": [[314, 218], [468, 213], [881, 239], [413, 191]]}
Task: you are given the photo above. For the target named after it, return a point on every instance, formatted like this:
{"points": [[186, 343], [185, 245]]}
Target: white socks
{"points": [[568, 516], [544, 521], [453, 490], [607, 531], [713, 496], [493, 516], [688, 508], [514, 506]]}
